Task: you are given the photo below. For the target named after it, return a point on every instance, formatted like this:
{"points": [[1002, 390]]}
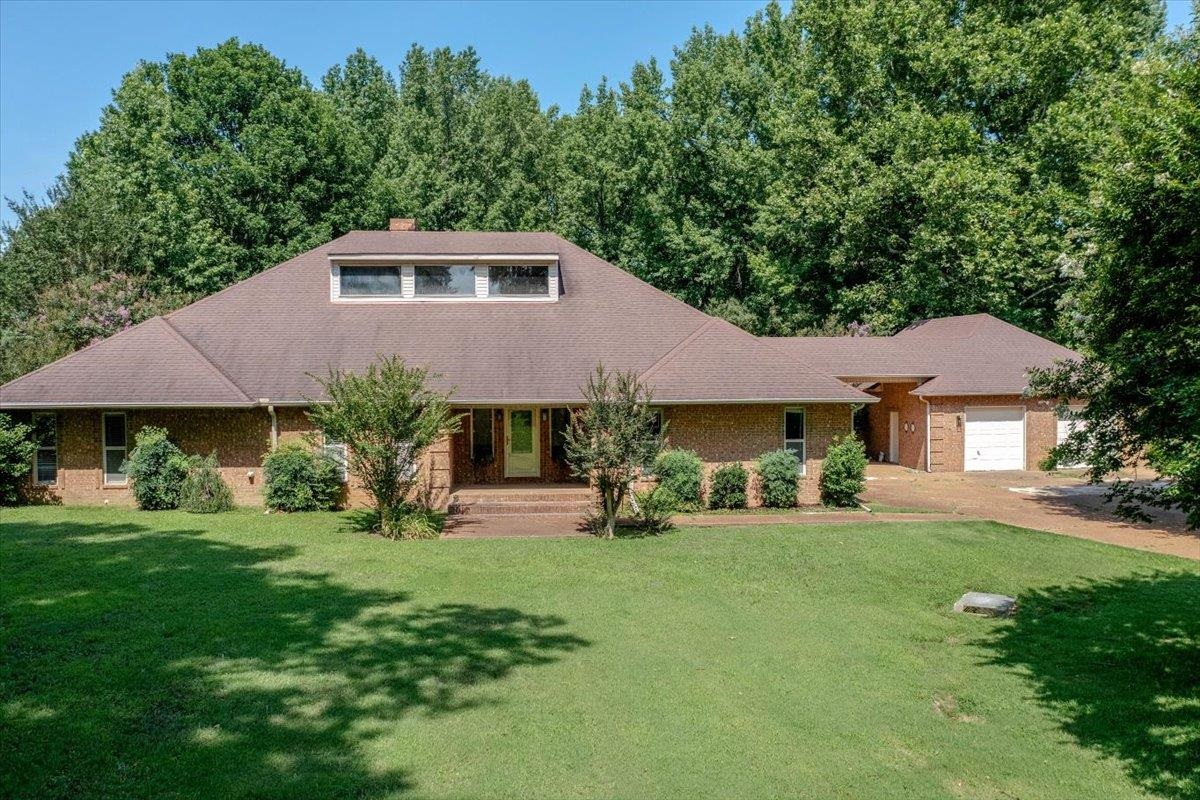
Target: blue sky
{"points": [[60, 61]]}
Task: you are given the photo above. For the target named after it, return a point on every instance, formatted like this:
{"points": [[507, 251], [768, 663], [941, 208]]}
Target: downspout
{"points": [[274, 427], [927, 409]]}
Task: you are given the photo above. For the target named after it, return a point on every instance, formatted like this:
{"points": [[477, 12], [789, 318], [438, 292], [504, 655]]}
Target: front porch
{"points": [[511, 445]]}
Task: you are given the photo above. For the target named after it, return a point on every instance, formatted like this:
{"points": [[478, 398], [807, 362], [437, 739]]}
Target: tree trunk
{"points": [[610, 514]]}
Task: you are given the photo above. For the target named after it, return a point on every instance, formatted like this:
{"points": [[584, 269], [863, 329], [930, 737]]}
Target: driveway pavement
{"points": [[1057, 502]]}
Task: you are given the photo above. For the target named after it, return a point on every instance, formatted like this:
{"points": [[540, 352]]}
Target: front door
{"points": [[521, 443]]}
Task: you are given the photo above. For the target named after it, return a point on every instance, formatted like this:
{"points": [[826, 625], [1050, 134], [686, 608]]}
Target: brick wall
{"points": [[721, 434], [897, 397], [947, 428], [466, 471]]}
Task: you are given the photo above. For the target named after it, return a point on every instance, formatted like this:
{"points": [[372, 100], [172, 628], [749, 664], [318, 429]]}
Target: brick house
{"points": [[951, 392], [511, 322]]}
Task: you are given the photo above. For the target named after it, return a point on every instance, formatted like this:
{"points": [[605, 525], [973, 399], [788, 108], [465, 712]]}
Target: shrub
{"points": [[682, 473], [16, 458], [156, 469], [203, 491], [842, 476], [412, 521], [653, 508], [779, 472], [727, 488], [298, 479]]}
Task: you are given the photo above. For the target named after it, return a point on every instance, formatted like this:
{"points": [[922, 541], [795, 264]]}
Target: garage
{"points": [[995, 439]]}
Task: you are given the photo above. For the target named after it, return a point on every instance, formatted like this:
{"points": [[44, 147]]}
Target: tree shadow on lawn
{"points": [[1119, 662], [140, 662]]}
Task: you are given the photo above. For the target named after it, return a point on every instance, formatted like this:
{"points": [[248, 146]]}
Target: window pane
{"points": [[520, 428], [793, 425], [481, 434], [370, 281], [444, 281], [47, 466], [560, 420], [114, 430], [45, 432], [519, 281], [114, 458]]}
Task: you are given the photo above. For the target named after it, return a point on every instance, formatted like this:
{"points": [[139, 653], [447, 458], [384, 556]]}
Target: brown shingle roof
{"points": [[267, 333], [975, 354]]}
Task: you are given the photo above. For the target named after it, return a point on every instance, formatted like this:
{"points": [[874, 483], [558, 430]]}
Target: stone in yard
{"points": [[992, 605]]}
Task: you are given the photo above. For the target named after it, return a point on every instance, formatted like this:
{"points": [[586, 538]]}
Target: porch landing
{"points": [[559, 499]]}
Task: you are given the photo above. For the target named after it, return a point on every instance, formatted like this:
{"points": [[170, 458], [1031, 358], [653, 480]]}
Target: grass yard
{"points": [[168, 655]]}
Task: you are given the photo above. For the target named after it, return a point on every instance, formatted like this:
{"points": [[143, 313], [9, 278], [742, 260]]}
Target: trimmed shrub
{"points": [[779, 474], [203, 491], [297, 479], [727, 487], [842, 476], [653, 509], [16, 458], [156, 469], [682, 473], [412, 521]]}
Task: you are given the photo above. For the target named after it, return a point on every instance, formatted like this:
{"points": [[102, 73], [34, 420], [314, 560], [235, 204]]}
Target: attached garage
{"points": [[994, 439]]}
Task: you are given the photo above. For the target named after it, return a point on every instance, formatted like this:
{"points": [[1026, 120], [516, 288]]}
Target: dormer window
{"points": [[444, 281], [518, 281], [370, 282], [459, 278]]}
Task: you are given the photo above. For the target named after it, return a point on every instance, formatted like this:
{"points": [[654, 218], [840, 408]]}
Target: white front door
{"points": [[521, 443], [994, 439], [894, 437]]}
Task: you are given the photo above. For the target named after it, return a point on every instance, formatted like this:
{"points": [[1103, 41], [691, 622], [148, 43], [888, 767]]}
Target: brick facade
{"points": [[947, 428], [911, 411], [467, 471], [241, 439]]}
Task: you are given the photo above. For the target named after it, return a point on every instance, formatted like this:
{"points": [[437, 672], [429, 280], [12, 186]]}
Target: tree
{"points": [[613, 438], [1140, 298], [387, 417], [17, 448]]}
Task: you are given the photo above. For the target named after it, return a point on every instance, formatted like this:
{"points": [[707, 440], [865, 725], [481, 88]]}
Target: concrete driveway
{"points": [[1056, 502]]}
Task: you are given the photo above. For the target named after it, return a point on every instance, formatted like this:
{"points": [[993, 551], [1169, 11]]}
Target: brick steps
{"points": [[491, 502]]}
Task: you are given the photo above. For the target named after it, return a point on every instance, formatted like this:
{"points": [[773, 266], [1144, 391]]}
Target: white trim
{"points": [[442, 259], [482, 281], [928, 455], [40, 447], [804, 432], [576, 401], [408, 282], [105, 447], [339, 454]]}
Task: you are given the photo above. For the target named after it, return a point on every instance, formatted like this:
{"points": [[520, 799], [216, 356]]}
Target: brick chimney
{"points": [[402, 224]]}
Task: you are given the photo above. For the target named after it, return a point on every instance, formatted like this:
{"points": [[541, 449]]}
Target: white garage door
{"points": [[995, 439]]}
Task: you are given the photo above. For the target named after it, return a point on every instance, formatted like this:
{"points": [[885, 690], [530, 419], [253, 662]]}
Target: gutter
{"points": [[274, 427], [927, 453]]}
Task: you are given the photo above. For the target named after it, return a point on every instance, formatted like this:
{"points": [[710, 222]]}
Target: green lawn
{"points": [[168, 655]]}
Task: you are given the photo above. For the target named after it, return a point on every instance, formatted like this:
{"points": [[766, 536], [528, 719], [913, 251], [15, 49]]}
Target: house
{"points": [[951, 392], [512, 322]]}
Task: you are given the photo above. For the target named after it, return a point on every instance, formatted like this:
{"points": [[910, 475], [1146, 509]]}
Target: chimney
{"points": [[402, 224]]}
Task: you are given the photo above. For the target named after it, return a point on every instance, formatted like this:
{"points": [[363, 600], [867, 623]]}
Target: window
{"points": [[656, 421], [481, 435], [370, 281], [444, 281], [518, 281], [336, 452], [45, 461], [560, 420], [114, 449], [793, 433]]}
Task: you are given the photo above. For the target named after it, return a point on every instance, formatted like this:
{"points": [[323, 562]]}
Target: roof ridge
{"points": [[220, 373], [679, 345]]}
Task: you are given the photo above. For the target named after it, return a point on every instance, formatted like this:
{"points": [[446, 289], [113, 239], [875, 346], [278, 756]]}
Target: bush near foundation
{"points": [[203, 491], [779, 475], [298, 479], [682, 473], [16, 458], [652, 510], [727, 487], [156, 469], [843, 474]]}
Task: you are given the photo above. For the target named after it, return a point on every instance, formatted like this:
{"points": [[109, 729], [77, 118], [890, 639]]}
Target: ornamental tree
{"points": [[387, 417], [613, 438]]}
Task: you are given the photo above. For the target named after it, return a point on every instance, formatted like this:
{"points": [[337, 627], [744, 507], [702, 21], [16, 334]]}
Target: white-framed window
{"points": [[370, 282], [115, 448], [656, 420], [45, 460], [794, 434], [455, 280], [335, 451], [410, 468], [519, 281], [483, 448]]}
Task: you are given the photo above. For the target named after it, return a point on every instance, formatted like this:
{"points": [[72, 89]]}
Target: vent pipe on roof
{"points": [[402, 224]]}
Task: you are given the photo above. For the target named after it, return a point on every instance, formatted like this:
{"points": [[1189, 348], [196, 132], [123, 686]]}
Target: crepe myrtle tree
{"points": [[387, 417], [613, 438]]}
